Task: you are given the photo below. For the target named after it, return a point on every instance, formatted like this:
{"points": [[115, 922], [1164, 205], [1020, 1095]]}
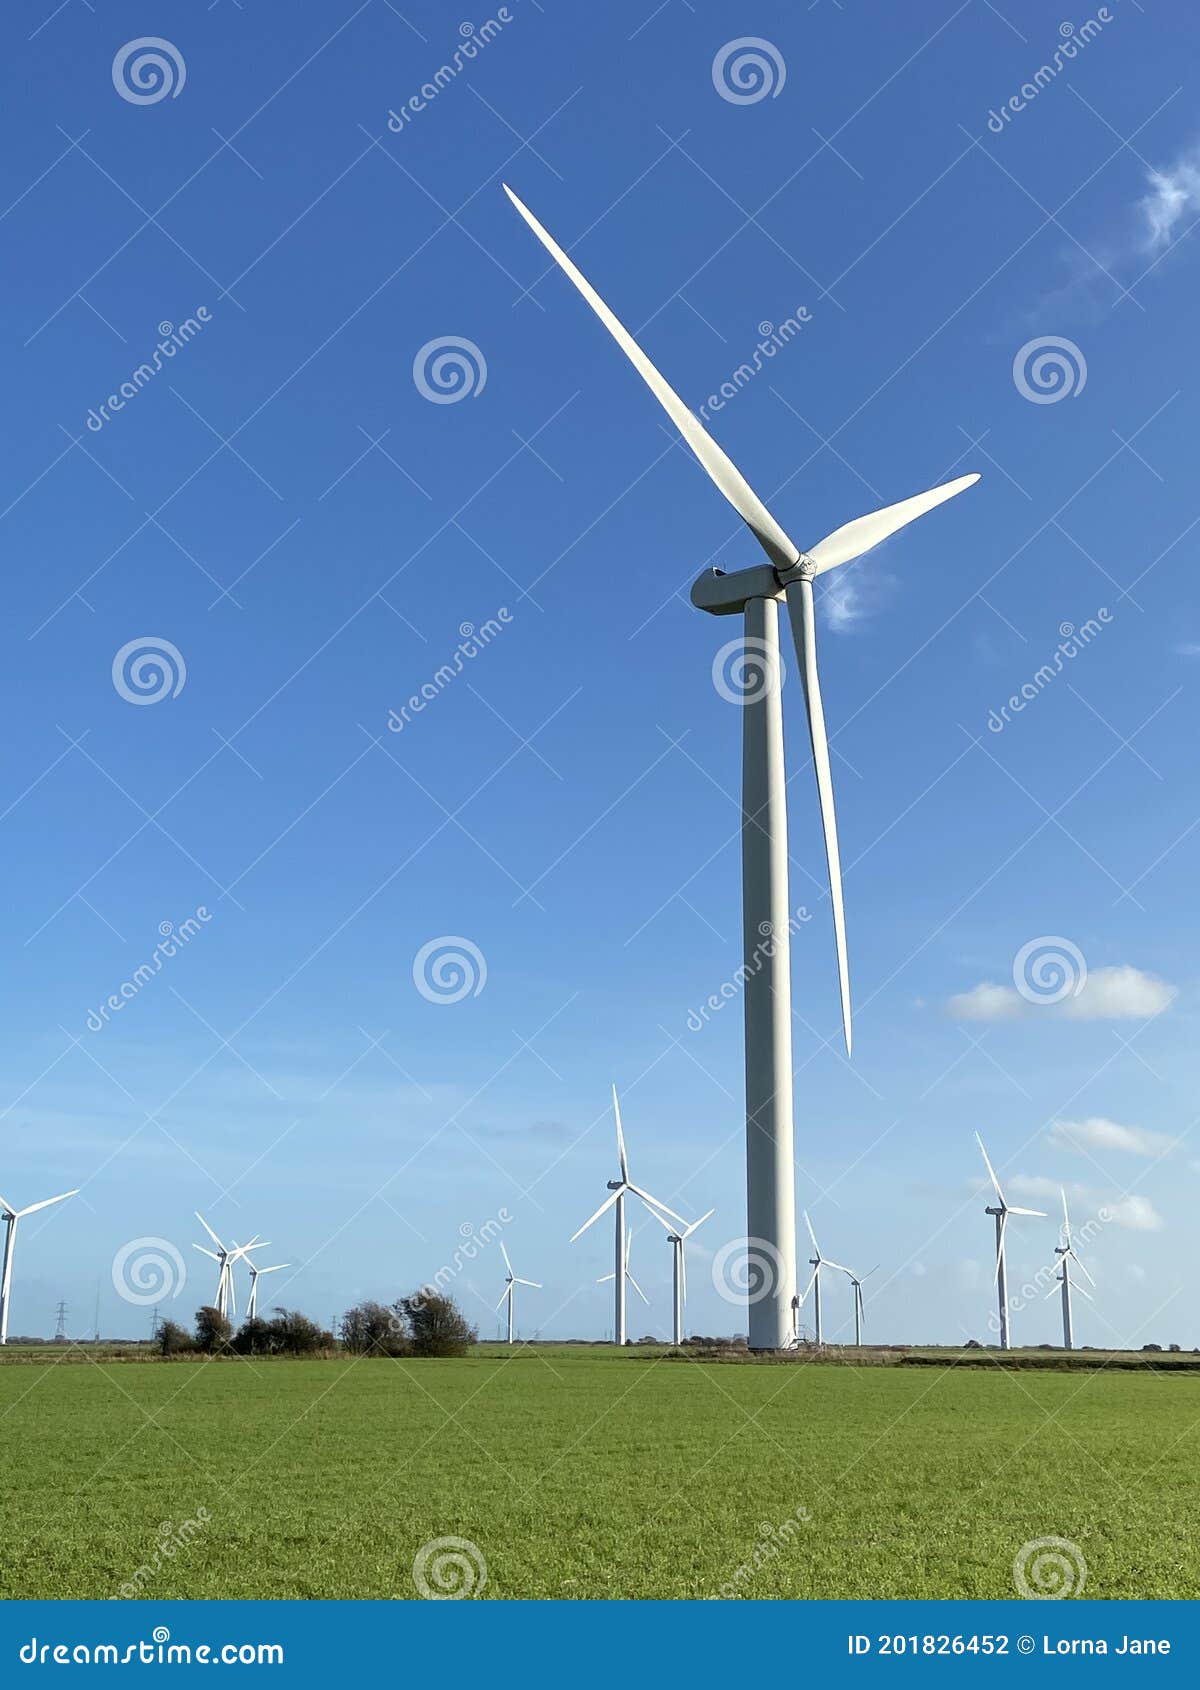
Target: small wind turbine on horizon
{"points": [[1001, 1211], [817, 1261], [511, 1280], [755, 594], [1066, 1252], [226, 1303], [255, 1271], [10, 1217], [618, 1189], [677, 1240]]}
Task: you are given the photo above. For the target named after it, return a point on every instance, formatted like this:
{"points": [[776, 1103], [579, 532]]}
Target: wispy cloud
{"points": [[1098, 1133], [1134, 1213], [1173, 200], [1121, 993], [854, 593]]}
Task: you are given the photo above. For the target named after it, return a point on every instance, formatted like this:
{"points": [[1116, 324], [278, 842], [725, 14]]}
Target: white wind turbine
{"points": [[1066, 1252], [255, 1271], [756, 594], [621, 1278], [10, 1217], [857, 1284], [616, 1202], [511, 1280], [1002, 1210], [817, 1261], [677, 1240], [226, 1302]]}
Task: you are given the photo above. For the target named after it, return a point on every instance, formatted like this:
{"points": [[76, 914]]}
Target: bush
{"points": [[372, 1329], [213, 1331], [291, 1333], [253, 1338], [436, 1326], [171, 1339]]}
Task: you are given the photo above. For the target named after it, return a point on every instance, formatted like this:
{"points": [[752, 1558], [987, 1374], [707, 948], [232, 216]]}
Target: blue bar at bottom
{"points": [[584, 1643]]}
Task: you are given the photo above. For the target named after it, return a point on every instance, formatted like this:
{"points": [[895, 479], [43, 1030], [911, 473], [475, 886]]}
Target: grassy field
{"points": [[586, 1473]]}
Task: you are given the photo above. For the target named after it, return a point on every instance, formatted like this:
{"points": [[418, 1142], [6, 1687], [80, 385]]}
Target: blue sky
{"points": [[309, 531]]}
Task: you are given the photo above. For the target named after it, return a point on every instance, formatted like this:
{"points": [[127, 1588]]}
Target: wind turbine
{"points": [[11, 1216], [252, 1300], [1002, 1210], [679, 1268], [616, 1202], [621, 1277], [817, 1261], [857, 1283], [755, 594], [226, 1303], [510, 1281], [1066, 1252]]}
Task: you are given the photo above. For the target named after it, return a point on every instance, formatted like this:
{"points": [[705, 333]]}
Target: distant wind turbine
{"points": [[255, 1271], [817, 1261], [857, 1284], [619, 1188], [226, 1303], [1066, 1252], [1001, 1211], [10, 1217], [511, 1281], [677, 1240]]}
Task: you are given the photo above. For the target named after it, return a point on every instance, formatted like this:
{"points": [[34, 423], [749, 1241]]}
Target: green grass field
{"points": [[585, 1473]]}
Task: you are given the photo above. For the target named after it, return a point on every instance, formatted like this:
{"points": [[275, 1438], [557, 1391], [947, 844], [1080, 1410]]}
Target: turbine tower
{"points": [[817, 1261], [756, 594], [857, 1284], [1066, 1252], [625, 1274], [1001, 1211], [10, 1217], [511, 1280], [616, 1202], [255, 1271], [677, 1240]]}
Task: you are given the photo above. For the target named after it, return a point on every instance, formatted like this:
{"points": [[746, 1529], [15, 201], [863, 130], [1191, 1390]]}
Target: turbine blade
{"points": [[1083, 1270], [1000, 1244], [607, 1204], [659, 1217], [728, 478], [504, 1253], [809, 1286], [605, 1277], [6, 1207], [655, 1203], [825, 1262], [682, 1269], [855, 538], [211, 1254], [535, 1283], [46, 1202], [503, 1295], [620, 1138], [688, 1231], [1066, 1219], [991, 1171], [1076, 1286], [278, 1268], [1040, 1213], [637, 1287], [802, 615], [811, 1233]]}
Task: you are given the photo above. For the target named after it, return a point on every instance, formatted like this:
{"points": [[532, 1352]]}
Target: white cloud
{"points": [[987, 1002], [1173, 197], [851, 594], [1136, 1213], [1121, 993], [1098, 1133]]}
